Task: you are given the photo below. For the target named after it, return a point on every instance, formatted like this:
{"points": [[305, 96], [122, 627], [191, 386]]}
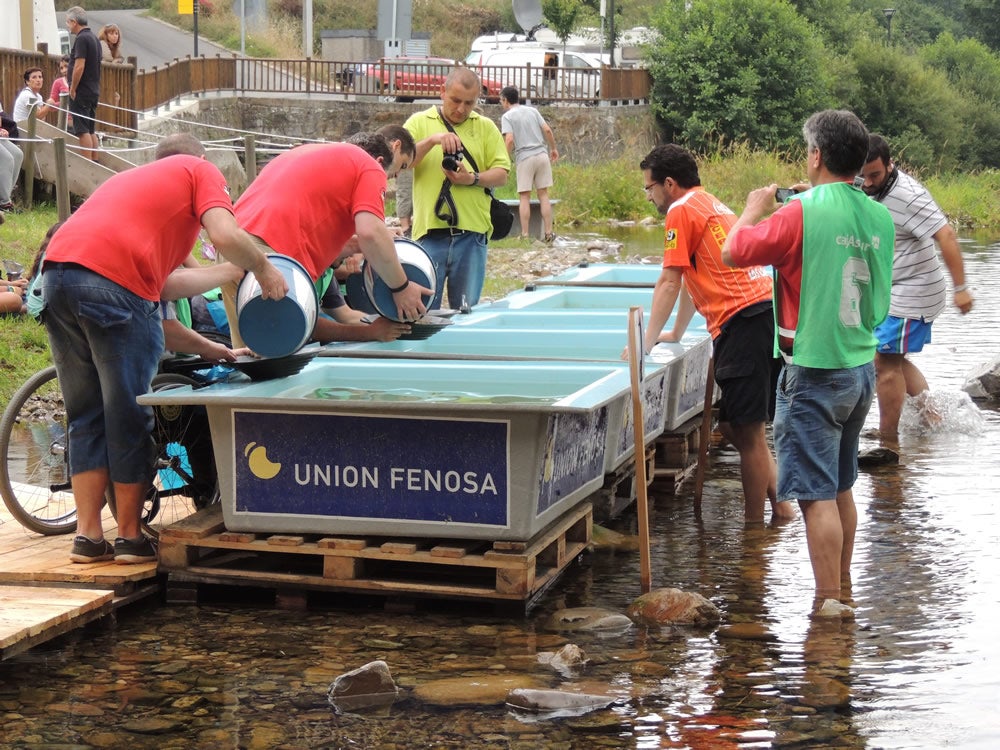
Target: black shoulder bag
{"points": [[501, 216]]}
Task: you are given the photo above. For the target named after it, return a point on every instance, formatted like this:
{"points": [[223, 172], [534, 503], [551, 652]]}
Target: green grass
{"points": [[24, 347]]}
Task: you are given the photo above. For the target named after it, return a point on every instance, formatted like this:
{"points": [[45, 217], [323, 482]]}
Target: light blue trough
{"points": [[460, 449], [561, 333], [514, 345], [573, 298], [637, 276]]}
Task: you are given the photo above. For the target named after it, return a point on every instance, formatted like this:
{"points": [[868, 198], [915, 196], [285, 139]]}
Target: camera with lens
{"points": [[450, 161]]}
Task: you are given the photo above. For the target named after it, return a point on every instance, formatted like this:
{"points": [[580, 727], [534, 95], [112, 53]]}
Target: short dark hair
{"points": [[670, 160], [509, 93], [392, 133], [842, 140], [878, 148], [179, 143], [374, 144], [29, 71]]}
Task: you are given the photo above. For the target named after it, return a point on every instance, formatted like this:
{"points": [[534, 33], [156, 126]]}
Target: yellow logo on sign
{"points": [[185, 7], [260, 465]]}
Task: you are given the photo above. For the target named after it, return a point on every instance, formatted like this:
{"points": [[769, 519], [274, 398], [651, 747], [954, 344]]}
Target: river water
{"points": [[917, 669]]}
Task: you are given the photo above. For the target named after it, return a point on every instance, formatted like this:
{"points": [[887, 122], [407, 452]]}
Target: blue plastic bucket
{"points": [[418, 268], [278, 328]]}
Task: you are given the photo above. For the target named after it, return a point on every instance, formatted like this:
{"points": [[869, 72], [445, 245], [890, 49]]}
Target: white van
{"points": [[553, 73]]}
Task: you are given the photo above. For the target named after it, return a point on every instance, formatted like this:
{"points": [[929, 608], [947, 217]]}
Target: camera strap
{"points": [[468, 156]]}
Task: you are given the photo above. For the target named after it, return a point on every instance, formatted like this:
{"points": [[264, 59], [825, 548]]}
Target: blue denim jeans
{"points": [[817, 423], [106, 343], [461, 260]]}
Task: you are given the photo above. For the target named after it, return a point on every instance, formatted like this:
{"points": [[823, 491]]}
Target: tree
{"points": [[735, 70], [562, 16]]}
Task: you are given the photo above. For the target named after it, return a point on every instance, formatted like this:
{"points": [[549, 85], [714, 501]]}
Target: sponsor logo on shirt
{"points": [[671, 241]]}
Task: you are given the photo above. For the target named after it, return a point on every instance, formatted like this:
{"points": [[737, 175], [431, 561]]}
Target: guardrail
{"points": [[131, 91]]}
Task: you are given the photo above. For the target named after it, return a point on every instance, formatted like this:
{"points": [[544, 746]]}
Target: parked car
{"points": [[553, 73], [409, 78]]}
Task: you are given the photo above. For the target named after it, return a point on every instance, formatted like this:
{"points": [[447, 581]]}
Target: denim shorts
{"points": [[817, 422], [106, 342], [902, 335], [459, 263]]}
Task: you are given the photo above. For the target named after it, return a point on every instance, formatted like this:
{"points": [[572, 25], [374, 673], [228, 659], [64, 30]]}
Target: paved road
{"points": [[150, 40]]}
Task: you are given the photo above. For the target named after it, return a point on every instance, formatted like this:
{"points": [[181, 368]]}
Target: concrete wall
{"points": [[583, 134]]}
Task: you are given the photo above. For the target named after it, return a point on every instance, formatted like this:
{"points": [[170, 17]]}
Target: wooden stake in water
{"points": [[636, 352], [703, 438]]}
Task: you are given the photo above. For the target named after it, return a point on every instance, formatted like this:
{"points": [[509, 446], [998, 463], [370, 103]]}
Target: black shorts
{"points": [[83, 109], [745, 368]]}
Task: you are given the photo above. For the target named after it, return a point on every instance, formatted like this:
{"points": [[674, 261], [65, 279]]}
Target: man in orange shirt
{"points": [[736, 304]]}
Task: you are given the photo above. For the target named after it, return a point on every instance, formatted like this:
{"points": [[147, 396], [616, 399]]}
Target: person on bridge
{"points": [[30, 97], [451, 223], [104, 273], [110, 37], [84, 80], [320, 201]]}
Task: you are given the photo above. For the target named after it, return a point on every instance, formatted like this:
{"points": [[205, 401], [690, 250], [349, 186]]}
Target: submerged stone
{"points": [[482, 690], [556, 701], [587, 619]]}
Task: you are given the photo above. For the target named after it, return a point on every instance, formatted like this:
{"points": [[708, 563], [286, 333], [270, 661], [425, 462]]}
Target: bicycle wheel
{"points": [[34, 473], [186, 480]]}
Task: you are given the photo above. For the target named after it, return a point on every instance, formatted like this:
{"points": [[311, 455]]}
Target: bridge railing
{"points": [[127, 91]]}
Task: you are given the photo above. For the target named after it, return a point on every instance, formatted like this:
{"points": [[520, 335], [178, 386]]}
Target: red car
{"points": [[409, 78]]}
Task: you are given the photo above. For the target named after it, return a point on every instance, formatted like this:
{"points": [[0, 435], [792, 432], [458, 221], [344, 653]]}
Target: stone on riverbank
{"points": [[984, 381], [480, 690]]}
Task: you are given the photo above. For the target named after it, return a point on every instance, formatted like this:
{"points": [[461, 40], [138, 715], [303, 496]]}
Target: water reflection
{"points": [[914, 670]]}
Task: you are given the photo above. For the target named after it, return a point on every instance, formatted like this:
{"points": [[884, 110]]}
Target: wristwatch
{"points": [[475, 179]]}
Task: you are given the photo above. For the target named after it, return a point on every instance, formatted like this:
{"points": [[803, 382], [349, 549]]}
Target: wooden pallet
{"points": [[676, 457], [619, 490], [199, 550]]}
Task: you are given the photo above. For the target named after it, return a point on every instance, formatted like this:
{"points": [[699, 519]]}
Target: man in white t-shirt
{"points": [[30, 96], [526, 134], [919, 291]]}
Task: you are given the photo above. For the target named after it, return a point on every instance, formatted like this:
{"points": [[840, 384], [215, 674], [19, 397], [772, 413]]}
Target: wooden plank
{"points": [[32, 615], [281, 540], [197, 525]]}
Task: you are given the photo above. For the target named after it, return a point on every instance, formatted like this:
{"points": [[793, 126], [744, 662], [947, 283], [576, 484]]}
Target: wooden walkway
{"points": [[43, 594]]}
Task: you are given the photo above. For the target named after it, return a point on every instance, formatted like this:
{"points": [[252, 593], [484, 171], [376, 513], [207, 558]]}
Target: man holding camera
{"points": [[451, 205]]}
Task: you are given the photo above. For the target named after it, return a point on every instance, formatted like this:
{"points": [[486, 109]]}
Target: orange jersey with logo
{"points": [[696, 226]]}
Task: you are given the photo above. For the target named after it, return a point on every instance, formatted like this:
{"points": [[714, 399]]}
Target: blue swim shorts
{"points": [[902, 335]]}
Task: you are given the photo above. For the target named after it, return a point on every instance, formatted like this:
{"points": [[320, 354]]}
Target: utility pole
{"points": [[889, 13]]}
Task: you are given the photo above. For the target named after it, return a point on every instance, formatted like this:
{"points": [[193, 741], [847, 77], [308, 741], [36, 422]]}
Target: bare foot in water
{"points": [[783, 512]]}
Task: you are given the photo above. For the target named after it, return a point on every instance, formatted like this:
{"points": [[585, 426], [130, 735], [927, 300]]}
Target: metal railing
{"points": [[132, 91]]}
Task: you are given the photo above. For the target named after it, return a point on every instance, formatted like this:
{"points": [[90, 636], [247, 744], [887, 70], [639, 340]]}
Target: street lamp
{"points": [[889, 13]]}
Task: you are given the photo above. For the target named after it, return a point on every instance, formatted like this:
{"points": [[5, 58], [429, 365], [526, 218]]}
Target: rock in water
{"points": [[984, 381], [673, 606], [370, 685]]}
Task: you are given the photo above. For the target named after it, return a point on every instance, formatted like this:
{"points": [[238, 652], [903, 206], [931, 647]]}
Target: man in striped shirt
{"points": [[736, 305], [919, 292]]}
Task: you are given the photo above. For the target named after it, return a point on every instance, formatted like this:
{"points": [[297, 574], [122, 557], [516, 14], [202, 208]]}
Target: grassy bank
{"points": [[589, 195]]}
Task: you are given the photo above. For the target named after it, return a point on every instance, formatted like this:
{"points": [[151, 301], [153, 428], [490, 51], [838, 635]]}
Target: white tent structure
{"points": [[26, 23]]}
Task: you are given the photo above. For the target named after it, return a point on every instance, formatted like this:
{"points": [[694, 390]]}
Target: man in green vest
{"points": [[831, 249]]}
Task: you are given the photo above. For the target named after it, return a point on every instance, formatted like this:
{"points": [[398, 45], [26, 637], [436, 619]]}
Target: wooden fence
{"points": [[132, 91]]}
